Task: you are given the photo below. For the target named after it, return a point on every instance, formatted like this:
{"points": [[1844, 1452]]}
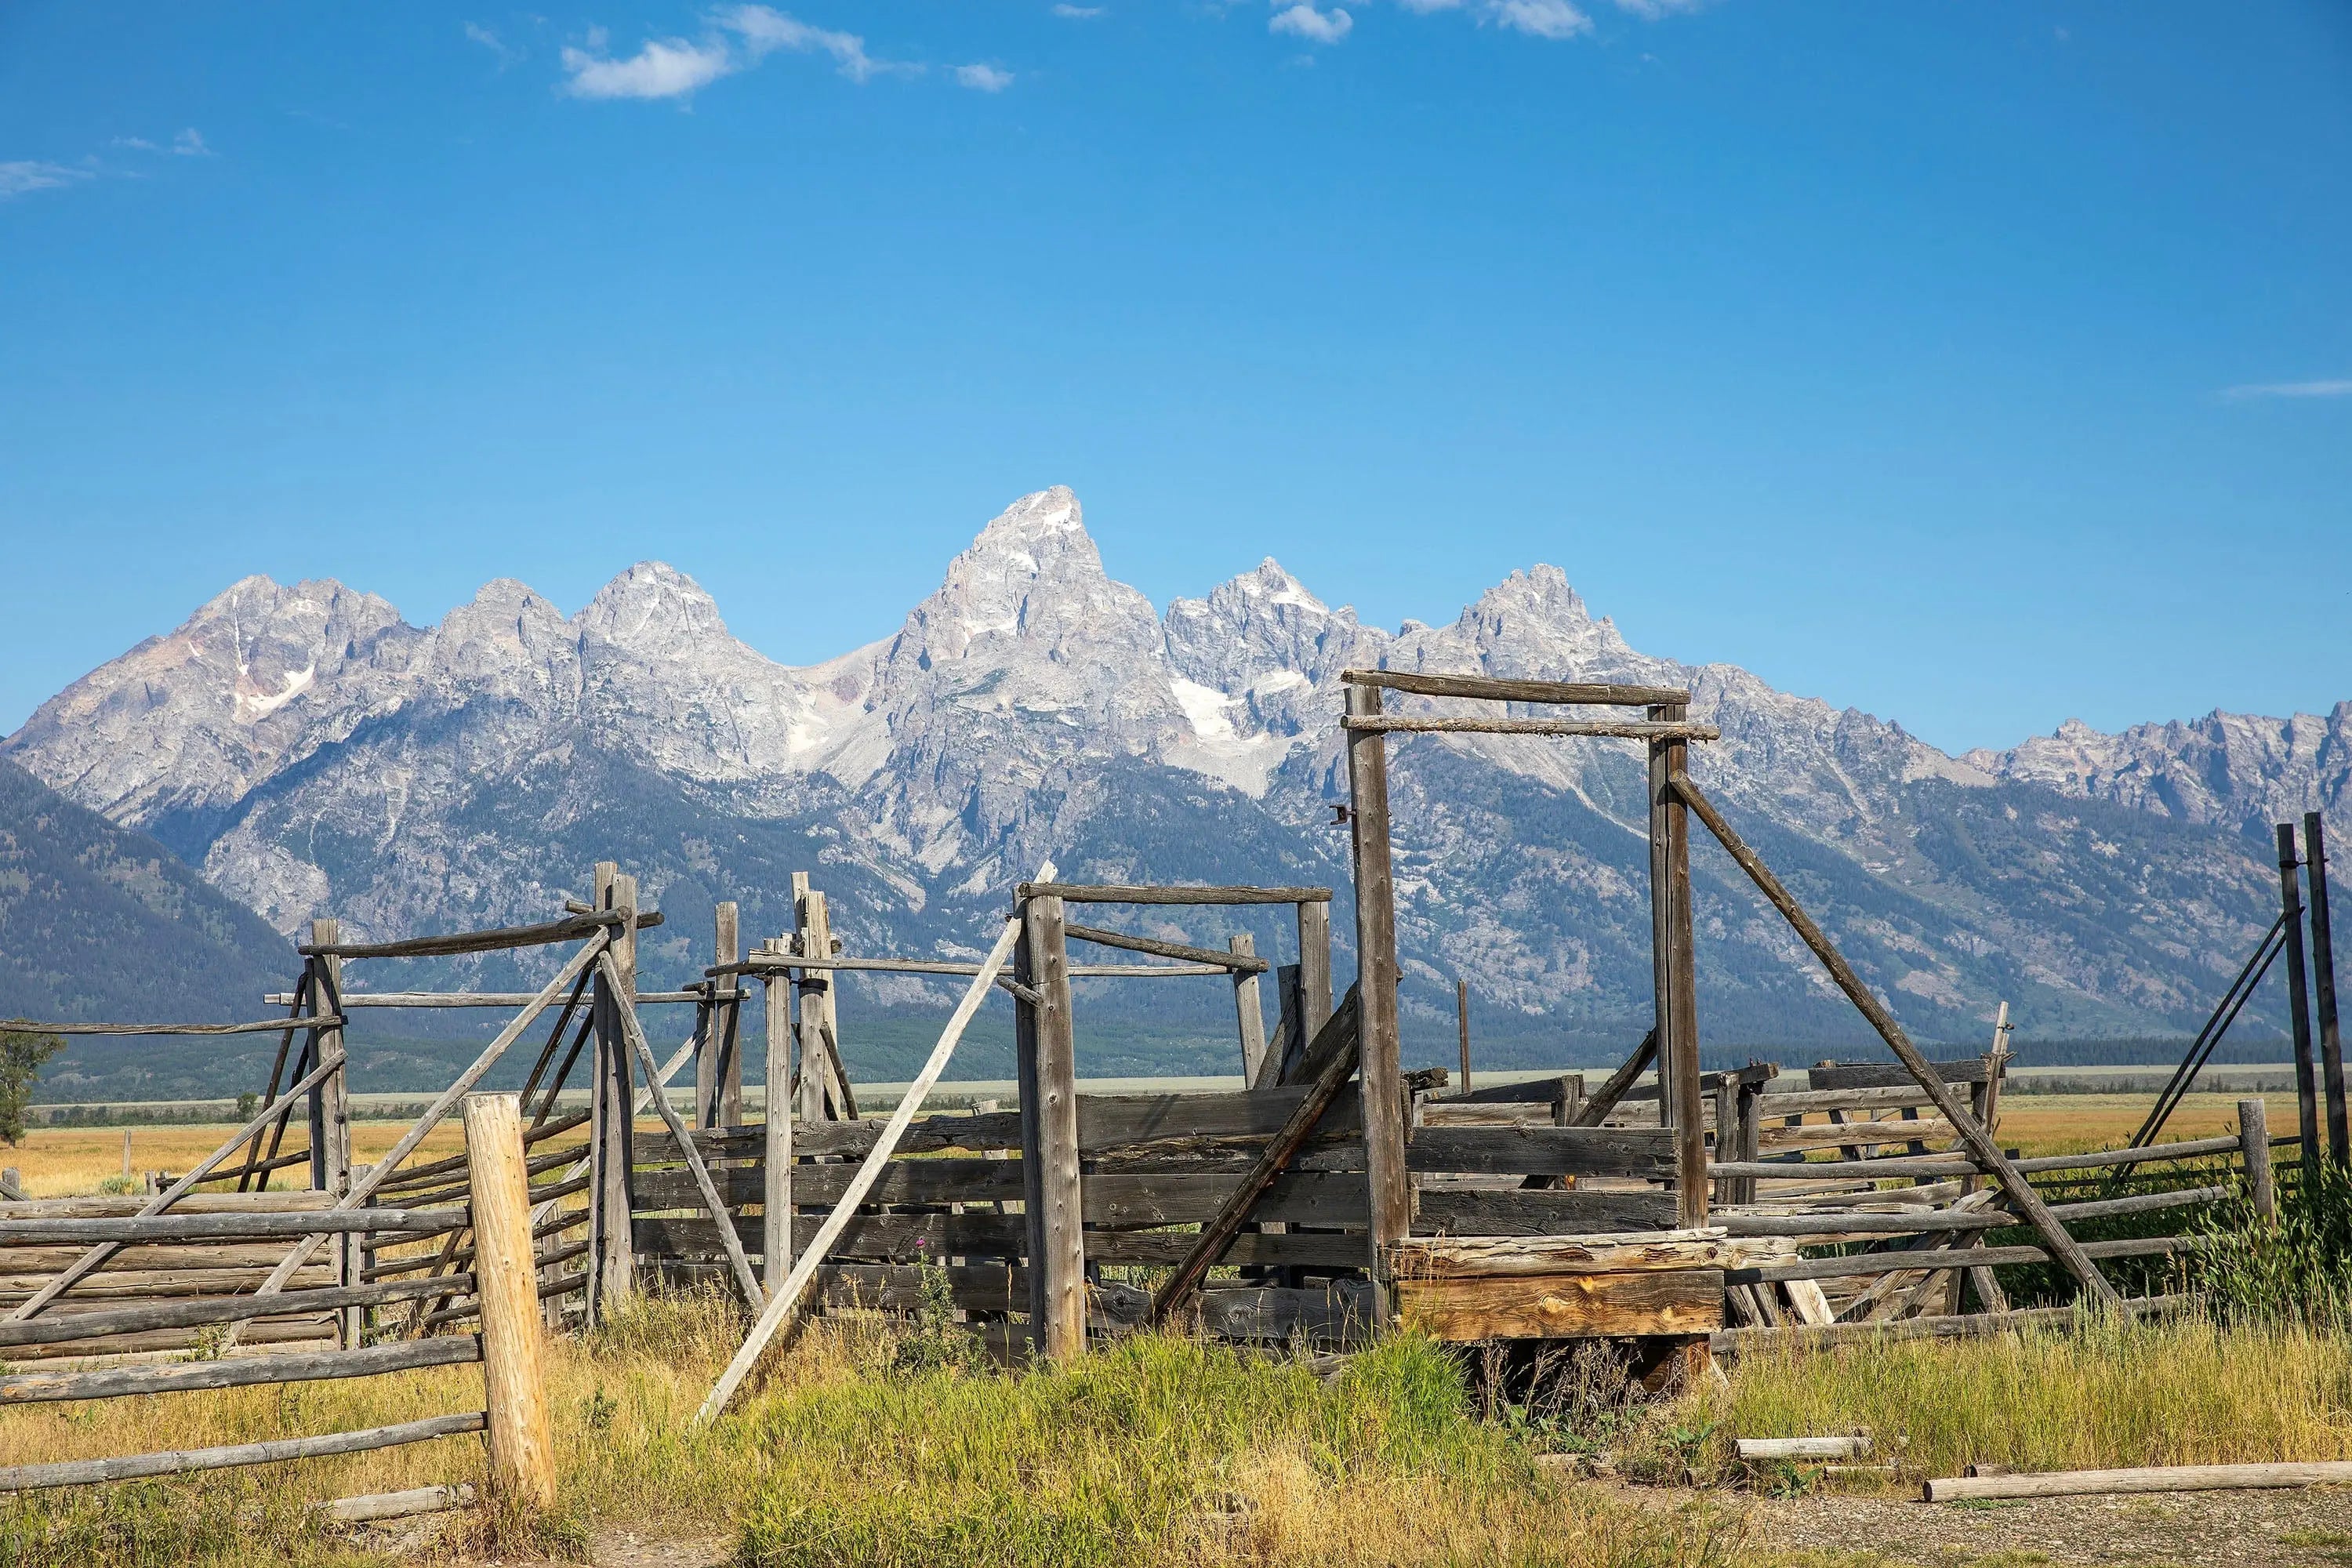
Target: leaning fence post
{"points": [[2254, 1136], [505, 1283]]}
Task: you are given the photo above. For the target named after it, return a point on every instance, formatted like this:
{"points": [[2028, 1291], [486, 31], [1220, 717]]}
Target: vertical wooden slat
{"points": [[1049, 1137], [2298, 1000], [2255, 1138], [1249, 1012], [522, 1447], [1462, 1026], [776, 1189], [1314, 969], [614, 1257], [331, 1117], [2323, 985], [1674, 969], [1376, 968], [822, 1096], [728, 1022]]}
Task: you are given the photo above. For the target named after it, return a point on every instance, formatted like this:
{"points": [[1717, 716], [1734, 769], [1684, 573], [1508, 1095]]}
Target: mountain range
{"points": [[310, 752]]}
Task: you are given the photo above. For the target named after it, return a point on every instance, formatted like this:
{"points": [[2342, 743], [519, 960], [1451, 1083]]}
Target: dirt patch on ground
{"points": [[2306, 1529]]}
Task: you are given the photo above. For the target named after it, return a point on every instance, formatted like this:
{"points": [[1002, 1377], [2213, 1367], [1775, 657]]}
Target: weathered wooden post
{"points": [[2255, 1139], [1462, 1026], [1376, 987], [2298, 1000], [822, 1096], [612, 1253], [718, 1059], [1314, 967], [776, 1190], [2322, 985], [522, 1447], [331, 1116], [1249, 1013], [1674, 977], [1047, 1044]]}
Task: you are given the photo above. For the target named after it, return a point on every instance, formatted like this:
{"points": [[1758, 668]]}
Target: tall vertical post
{"points": [[2298, 1001], [776, 1189], [2323, 985], [815, 994], [1249, 1012], [1462, 1026], [330, 1114], [2255, 1139], [1047, 1044], [1314, 968], [505, 1283], [1674, 975], [1376, 974], [718, 1066], [613, 1251]]}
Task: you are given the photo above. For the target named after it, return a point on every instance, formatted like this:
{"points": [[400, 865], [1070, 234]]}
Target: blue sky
{"points": [[1976, 364]]}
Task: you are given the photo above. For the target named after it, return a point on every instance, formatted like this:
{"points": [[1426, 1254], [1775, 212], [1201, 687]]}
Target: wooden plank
{"points": [[1108, 1122], [776, 1144], [1305, 1197], [1241, 960], [259, 1026], [1490, 689], [1675, 970], [1387, 1177], [1314, 971], [1344, 1313], [1988, 1153], [1249, 1011], [1525, 1212], [1265, 1249], [1046, 1043], [571, 929], [1620, 1083], [727, 1029], [237, 1372], [1564, 1306], [1853, 1134], [612, 1271], [85, 1472], [1531, 1092], [1131, 893], [1888, 1075], [1542, 1150], [898, 1287], [1592, 729], [1864, 1264], [1485, 1257], [194, 1228], [201, 1312]]}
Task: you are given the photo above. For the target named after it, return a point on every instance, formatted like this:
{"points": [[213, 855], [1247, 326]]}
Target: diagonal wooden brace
{"points": [[1981, 1145]]}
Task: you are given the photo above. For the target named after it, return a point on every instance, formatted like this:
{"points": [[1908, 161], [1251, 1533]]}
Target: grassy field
{"points": [[868, 1442]]}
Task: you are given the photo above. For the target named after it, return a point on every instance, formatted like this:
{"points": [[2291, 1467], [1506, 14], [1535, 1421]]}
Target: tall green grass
{"points": [[2295, 1269]]}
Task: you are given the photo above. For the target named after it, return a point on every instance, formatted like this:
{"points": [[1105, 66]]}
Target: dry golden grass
{"points": [[60, 1161], [2070, 1124]]}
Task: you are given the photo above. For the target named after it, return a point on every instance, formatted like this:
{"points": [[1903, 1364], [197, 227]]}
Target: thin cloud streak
{"points": [[2288, 389]]}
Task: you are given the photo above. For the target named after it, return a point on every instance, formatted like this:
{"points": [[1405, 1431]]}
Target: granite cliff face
{"points": [[315, 754]]}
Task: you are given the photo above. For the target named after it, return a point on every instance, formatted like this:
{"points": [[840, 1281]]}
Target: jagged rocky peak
{"points": [[505, 640], [1263, 636], [1031, 576], [196, 716], [653, 608]]}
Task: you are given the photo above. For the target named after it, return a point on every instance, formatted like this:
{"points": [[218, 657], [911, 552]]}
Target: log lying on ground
{"points": [[2159, 1479], [1802, 1447], [375, 1506]]}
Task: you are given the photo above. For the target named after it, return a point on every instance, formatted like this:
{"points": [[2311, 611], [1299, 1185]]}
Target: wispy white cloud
{"points": [[135, 144], [765, 30], [663, 67], [190, 143], [1540, 19], [22, 176], [983, 77], [2289, 389], [506, 53], [1652, 10], [1301, 20], [1079, 13]]}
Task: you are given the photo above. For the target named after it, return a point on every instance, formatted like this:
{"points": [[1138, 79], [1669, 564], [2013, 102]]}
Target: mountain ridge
{"points": [[311, 749]]}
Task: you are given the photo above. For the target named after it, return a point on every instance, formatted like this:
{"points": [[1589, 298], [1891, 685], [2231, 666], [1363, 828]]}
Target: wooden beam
{"points": [[1491, 690], [2156, 1478], [569, 930], [1600, 729], [1241, 960], [1988, 1153], [505, 1276], [238, 1371], [776, 1168], [1375, 961], [1134, 893], [1564, 1306], [1249, 1012], [87, 1472]]}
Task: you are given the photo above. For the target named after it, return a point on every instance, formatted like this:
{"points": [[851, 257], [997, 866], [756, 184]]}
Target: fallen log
{"points": [[2157, 1478]]}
